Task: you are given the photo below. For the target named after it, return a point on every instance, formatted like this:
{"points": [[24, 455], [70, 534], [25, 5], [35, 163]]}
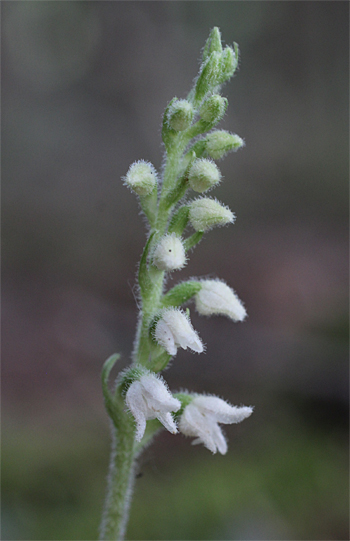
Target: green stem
{"points": [[120, 478]]}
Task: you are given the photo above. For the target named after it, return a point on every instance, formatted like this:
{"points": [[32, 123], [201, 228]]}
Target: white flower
{"points": [[149, 398], [170, 253], [174, 330], [201, 417], [215, 297]]}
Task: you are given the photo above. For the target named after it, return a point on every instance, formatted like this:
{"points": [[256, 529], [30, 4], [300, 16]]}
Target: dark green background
{"points": [[84, 86]]}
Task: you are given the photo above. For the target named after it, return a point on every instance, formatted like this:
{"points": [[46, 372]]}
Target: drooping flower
{"points": [[201, 416], [174, 329], [149, 398], [169, 253], [216, 297]]}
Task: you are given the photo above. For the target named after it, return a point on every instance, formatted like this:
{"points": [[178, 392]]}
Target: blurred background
{"points": [[84, 87]]}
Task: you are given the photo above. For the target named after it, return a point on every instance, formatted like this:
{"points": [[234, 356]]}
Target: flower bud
{"points": [[141, 177], [208, 77], [203, 174], [206, 213], [217, 298], [221, 142], [229, 61], [213, 43], [169, 253], [180, 115], [213, 109]]}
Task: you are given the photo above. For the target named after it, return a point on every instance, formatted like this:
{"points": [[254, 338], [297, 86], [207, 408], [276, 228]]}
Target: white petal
{"points": [[168, 422], [184, 334], [136, 404], [219, 439], [194, 423], [221, 410], [216, 297], [165, 337]]}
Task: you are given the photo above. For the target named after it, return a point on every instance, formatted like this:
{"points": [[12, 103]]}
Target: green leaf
{"points": [[106, 370]]}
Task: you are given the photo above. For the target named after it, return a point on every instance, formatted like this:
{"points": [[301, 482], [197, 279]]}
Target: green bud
{"points": [[206, 213], [229, 62], [141, 177], [204, 174], [220, 142], [213, 109], [209, 76], [213, 43], [180, 115]]}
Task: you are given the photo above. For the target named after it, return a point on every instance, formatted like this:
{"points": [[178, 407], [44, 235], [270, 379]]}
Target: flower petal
{"points": [[168, 422], [136, 404]]}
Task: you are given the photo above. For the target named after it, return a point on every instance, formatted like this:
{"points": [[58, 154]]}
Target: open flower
{"points": [[149, 398], [215, 297], [201, 416], [174, 330]]}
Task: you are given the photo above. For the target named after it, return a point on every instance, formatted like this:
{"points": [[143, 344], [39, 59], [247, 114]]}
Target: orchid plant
{"points": [[141, 403]]}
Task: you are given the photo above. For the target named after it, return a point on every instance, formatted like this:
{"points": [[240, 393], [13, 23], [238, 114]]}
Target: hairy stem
{"points": [[120, 480]]}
